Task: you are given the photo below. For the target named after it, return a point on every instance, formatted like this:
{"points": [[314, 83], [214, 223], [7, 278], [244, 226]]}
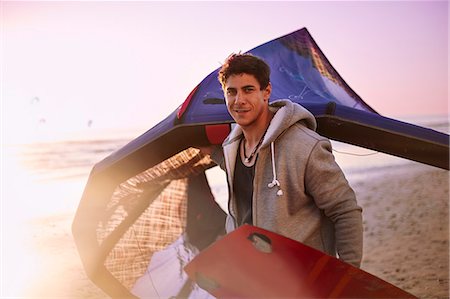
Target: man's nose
{"points": [[240, 97]]}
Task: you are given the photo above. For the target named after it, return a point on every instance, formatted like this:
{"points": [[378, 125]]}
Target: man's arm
{"points": [[332, 193], [216, 154]]}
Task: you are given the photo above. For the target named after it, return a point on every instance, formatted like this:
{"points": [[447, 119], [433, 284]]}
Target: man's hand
{"points": [[206, 150]]}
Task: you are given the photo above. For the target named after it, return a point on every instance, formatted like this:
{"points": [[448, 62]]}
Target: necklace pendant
{"points": [[247, 160]]}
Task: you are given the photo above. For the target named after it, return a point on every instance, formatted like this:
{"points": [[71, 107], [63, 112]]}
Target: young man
{"points": [[282, 175]]}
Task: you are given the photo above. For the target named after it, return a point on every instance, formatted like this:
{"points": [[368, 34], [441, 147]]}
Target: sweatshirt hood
{"points": [[287, 114]]}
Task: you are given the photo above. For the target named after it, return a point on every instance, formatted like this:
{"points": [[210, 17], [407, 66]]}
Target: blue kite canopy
{"points": [[120, 221], [299, 72]]}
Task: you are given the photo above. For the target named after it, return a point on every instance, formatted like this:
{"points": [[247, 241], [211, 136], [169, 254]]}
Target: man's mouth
{"points": [[240, 110]]}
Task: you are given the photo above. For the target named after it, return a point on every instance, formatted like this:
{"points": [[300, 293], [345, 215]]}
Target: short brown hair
{"points": [[245, 64]]}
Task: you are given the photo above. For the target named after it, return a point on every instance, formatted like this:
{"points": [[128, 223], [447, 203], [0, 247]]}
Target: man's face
{"points": [[246, 102]]}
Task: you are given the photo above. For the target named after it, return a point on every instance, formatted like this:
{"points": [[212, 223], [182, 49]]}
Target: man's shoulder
{"points": [[301, 131], [300, 137]]}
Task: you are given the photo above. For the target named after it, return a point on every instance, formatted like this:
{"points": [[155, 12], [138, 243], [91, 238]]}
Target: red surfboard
{"points": [[251, 262]]}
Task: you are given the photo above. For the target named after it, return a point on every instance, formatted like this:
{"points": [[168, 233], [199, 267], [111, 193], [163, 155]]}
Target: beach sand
{"points": [[405, 237], [406, 228]]}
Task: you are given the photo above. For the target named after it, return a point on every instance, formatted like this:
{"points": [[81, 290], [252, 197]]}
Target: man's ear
{"points": [[267, 91]]}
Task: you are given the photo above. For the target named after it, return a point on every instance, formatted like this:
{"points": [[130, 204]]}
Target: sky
{"points": [[79, 66]]}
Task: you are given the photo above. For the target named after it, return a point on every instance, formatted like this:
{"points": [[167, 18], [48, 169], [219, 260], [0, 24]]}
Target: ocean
{"points": [[42, 168]]}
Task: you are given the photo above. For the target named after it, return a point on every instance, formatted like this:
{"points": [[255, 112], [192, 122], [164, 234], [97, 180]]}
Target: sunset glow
{"points": [[80, 66]]}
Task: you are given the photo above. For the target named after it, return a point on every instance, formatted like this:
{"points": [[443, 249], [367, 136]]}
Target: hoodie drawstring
{"points": [[274, 182]]}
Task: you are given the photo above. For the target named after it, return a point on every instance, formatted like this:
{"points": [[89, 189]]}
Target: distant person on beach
{"points": [[282, 175]]}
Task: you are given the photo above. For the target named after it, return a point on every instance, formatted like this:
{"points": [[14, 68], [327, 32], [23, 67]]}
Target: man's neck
{"points": [[253, 134]]}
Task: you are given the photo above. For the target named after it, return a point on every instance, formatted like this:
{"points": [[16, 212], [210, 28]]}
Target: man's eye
{"points": [[231, 92], [249, 89]]}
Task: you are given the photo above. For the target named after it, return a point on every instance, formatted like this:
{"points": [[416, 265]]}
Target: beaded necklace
{"points": [[249, 158]]}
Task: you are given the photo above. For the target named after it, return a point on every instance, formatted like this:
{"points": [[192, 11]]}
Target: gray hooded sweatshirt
{"points": [[298, 190]]}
